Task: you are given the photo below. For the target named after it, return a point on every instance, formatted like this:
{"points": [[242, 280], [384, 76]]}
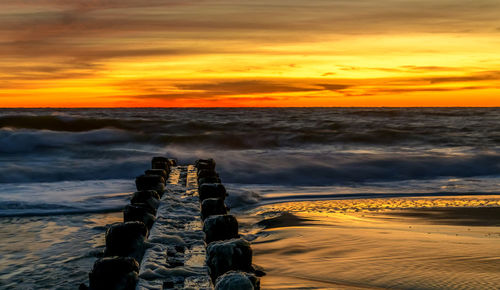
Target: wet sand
{"points": [[370, 244]]}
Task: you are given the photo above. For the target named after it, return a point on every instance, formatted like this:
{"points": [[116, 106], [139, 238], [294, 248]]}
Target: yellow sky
{"points": [[101, 53]]}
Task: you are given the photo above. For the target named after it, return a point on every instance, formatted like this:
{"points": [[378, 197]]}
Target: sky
{"points": [[216, 53]]}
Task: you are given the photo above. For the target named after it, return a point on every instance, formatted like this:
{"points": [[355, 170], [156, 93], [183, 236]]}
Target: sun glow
{"points": [[130, 54]]}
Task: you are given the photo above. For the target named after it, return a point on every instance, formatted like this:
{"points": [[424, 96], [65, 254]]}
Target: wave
{"points": [[66, 197], [101, 156], [265, 146], [24, 209], [12, 141], [412, 112], [330, 166], [275, 167], [267, 128], [16, 141], [66, 169], [60, 123], [315, 173], [266, 138]]}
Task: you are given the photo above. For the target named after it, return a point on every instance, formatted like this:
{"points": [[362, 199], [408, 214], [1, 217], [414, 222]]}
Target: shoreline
{"points": [[300, 234]]}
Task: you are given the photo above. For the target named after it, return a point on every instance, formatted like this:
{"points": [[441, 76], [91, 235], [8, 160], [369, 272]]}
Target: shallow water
{"points": [[51, 252], [65, 173]]}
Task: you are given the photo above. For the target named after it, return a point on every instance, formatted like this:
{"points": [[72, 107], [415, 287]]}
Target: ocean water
{"points": [[66, 173]]}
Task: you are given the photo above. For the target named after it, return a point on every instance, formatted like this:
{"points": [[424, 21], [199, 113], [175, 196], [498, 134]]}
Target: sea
{"points": [[65, 174]]}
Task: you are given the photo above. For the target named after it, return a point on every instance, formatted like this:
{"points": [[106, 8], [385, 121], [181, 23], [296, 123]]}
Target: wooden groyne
{"points": [[176, 234]]}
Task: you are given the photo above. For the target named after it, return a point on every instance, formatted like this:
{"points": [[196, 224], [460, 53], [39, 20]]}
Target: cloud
{"points": [[301, 87], [334, 87], [480, 76], [429, 68], [219, 49], [37, 27], [87, 5], [245, 87], [171, 90], [214, 18], [426, 89]]}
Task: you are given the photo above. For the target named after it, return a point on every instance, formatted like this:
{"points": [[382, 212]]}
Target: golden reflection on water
{"points": [[36, 245]]}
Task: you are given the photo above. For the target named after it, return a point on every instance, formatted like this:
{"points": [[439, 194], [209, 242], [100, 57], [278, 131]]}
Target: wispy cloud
{"points": [[240, 50], [481, 76]]}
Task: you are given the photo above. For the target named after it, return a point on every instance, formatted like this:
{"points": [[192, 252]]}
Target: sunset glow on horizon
{"points": [[216, 53]]}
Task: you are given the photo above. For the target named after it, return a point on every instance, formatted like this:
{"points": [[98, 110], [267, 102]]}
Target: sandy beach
{"points": [[410, 243]]}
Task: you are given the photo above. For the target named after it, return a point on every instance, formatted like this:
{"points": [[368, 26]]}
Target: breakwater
{"points": [[176, 234]]}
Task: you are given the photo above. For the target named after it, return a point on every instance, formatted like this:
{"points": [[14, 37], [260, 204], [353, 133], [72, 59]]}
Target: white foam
{"points": [[177, 250]]}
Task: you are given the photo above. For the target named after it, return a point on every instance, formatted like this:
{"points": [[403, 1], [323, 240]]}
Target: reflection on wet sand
{"points": [[424, 243]]}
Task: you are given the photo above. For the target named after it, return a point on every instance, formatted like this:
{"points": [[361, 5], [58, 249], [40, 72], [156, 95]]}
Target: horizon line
{"points": [[262, 107]]}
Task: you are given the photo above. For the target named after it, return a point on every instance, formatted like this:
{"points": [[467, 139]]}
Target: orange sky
{"points": [[177, 53]]}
